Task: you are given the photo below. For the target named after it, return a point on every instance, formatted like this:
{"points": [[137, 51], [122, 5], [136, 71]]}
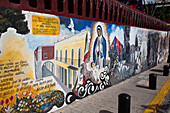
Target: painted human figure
{"points": [[95, 70], [99, 50]]}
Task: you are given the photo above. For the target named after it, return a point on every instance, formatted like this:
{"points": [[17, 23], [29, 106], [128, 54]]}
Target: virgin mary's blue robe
{"points": [[101, 54]]}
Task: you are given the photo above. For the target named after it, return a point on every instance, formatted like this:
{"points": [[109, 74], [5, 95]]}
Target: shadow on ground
{"points": [[156, 70], [141, 86], [165, 108], [105, 111]]}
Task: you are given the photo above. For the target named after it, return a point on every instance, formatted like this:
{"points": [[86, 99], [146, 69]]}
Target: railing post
{"points": [[109, 6], [103, 10], [131, 18], [84, 8], [118, 9], [40, 4], [139, 24], [54, 6], [125, 16], [122, 14], [76, 7], [113, 15], [97, 9], [91, 9], [128, 16], [135, 13], [65, 6]]}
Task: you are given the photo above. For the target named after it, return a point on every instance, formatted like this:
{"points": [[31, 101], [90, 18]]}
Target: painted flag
{"points": [[85, 58], [118, 45]]}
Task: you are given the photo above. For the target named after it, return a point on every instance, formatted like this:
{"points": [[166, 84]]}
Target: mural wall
{"points": [[48, 61]]}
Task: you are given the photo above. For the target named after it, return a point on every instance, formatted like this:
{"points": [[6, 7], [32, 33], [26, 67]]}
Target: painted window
{"points": [[60, 55], [45, 55], [62, 71], [70, 78], [60, 77], [66, 77], [74, 77], [39, 55], [79, 57], [57, 71], [72, 56], [65, 56], [56, 54]]}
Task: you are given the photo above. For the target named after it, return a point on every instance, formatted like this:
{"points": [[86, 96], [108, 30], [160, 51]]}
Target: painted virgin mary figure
{"points": [[99, 49]]}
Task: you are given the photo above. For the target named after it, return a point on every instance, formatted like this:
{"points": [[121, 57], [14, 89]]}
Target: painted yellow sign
{"points": [[42, 25]]}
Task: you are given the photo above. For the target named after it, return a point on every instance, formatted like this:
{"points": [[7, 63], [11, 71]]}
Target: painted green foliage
{"points": [[13, 18]]}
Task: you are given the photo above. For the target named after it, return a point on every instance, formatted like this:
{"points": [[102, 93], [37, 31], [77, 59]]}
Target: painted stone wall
{"points": [[49, 61]]}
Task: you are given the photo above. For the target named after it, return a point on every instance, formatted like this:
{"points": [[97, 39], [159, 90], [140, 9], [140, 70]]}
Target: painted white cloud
{"points": [[119, 33], [133, 32], [65, 32], [45, 40]]}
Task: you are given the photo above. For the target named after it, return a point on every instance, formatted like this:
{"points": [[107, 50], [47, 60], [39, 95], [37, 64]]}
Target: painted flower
{"points": [[10, 98], [6, 101], [1, 102]]}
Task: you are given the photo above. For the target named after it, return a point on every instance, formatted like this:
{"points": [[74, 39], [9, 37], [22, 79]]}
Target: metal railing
{"points": [[110, 11], [74, 62]]}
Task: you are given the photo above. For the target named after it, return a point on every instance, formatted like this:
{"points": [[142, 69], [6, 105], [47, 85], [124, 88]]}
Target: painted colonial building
{"points": [[69, 53], [44, 61]]}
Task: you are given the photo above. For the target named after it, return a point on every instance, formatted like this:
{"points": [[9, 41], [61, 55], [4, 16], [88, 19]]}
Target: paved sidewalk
{"points": [[106, 101]]}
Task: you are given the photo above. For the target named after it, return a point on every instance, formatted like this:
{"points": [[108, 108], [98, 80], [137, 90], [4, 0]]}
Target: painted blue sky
{"points": [[79, 24], [82, 24]]}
